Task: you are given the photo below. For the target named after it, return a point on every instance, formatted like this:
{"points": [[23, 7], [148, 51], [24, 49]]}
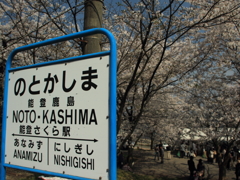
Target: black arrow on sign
{"points": [[94, 140]]}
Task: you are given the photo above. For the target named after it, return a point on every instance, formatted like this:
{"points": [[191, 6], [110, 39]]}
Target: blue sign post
{"points": [[55, 137]]}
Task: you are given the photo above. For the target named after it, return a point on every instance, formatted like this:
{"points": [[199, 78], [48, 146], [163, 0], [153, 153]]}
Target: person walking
{"points": [[191, 167], [156, 153], [229, 160], [211, 156], [161, 153], [214, 155], [182, 150], [237, 169], [120, 160], [200, 169], [194, 147]]}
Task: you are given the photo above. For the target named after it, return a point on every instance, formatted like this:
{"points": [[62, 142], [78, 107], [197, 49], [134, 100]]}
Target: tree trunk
{"points": [[138, 138]]}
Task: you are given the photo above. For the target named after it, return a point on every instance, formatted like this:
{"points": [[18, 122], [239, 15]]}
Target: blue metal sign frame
{"points": [[112, 94]]}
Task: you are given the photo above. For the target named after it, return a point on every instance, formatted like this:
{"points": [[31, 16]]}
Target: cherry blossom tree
{"points": [[25, 22], [212, 89], [167, 49], [212, 101], [169, 55], [158, 47]]}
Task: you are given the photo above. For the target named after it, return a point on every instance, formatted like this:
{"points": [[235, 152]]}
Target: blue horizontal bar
{"points": [[61, 60]]}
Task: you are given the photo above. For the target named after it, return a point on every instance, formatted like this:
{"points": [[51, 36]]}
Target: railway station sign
{"points": [[58, 118]]}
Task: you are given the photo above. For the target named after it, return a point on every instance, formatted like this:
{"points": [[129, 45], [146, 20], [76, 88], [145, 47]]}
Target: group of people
{"points": [[232, 155], [159, 152], [196, 172], [187, 149]]}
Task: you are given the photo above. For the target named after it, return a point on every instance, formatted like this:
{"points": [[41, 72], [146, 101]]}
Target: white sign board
{"points": [[58, 118]]}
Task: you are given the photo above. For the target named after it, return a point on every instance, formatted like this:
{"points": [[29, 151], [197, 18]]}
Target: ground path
{"points": [[174, 167]]}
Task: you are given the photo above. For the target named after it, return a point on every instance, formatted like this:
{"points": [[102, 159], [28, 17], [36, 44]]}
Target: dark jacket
{"points": [[237, 170], [161, 151], [200, 167], [191, 165]]}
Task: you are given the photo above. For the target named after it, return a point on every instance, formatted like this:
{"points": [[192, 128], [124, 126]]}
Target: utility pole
{"points": [[92, 19]]}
